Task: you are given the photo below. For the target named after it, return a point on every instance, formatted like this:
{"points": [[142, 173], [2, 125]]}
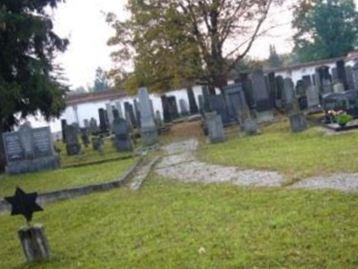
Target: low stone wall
{"points": [[71, 193]]}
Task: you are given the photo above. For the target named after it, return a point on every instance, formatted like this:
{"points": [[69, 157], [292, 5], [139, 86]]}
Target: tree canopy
{"points": [[29, 81], [178, 42], [325, 28]]}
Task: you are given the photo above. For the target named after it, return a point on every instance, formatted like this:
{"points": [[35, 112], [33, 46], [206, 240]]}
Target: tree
{"points": [[325, 28], [101, 81], [176, 41], [29, 81], [274, 59]]}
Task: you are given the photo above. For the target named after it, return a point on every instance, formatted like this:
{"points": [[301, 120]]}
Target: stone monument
{"points": [[215, 127], [148, 129]]}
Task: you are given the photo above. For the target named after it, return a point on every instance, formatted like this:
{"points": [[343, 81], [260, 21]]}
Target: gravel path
{"points": [[180, 163]]}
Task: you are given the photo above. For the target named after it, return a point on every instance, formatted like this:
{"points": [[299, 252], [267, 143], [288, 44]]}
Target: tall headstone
{"points": [[280, 89], [173, 108], [102, 120], [29, 150], [272, 87], [217, 103], [248, 89], [355, 75], [148, 130], [63, 128], [215, 127], [206, 104], [312, 97], [235, 100], [341, 73], [93, 126], [73, 146], [119, 109], [122, 137], [85, 136], [192, 102], [184, 111], [338, 87], [86, 123], [350, 80], [110, 117], [137, 112], [288, 95], [166, 110], [129, 112], [201, 104]]}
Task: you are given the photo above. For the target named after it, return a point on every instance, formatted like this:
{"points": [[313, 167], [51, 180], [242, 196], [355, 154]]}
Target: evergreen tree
{"points": [[101, 81], [274, 59]]}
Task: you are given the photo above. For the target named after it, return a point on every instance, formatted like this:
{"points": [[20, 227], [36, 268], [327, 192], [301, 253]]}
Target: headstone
{"points": [[85, 136], [338, 87], [355, 75], [272, 87], [298, 122], [235, 100], [261, 93], [217, 103], [326, 86], [148, 130], [350, 80], [206, 105], [215, 127], [288, 95], [173, 108], [119, 109], [201, 104], [93, 126], [323, 78], [280, 90], [63, 128], [166, 110], [158, 120], [129, 112], [341, 73], [312, 97], [137, 112], [86, 123], [102, 120], [122, 138], [73, 147], [248, 89], [192, 102], [116, 114], [110, 118], [98, 143], [250, 126], [184, 111], [29, 150]]}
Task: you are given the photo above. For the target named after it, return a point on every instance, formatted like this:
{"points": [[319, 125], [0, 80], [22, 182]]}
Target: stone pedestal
{"points": [[34, 243]]}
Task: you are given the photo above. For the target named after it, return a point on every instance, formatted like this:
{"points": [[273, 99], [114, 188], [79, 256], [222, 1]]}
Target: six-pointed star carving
{"points": [[23, 204]]}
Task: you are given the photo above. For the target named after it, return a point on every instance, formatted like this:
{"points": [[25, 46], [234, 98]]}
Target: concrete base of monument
{"points": [[39, 164], [149, 136], [34, 243]]}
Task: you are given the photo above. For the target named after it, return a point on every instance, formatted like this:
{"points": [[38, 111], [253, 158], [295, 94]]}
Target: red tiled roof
{"points": [[94, 96]]}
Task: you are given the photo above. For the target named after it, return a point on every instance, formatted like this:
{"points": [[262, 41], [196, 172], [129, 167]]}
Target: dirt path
{"points": [[180, 163]]}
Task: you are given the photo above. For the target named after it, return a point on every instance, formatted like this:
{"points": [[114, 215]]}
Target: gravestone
{"points": [[273, 87], [301, 94], [250, 126], [217, 103], [341, 73], [205, 103], [122, 137], [326, 86], [323, 79], [93, 126], [98, 143], [246, 84], [102, 120], [288, 95], [158, 120], [184, 111], [119, 109], [215, 127], [166, 110], [312, 97], [73, 146], [86, 123], [129, 112], [116, 114], [298, 122], [338, 87], [148, 130], [355, 75], [173, 108], [350, 80], [192, 102], [63, 128], [263, 102], [280, 89], [137, 112], [235, 100], [29, 150], [85, 136], [334, 74], [110, 117]]}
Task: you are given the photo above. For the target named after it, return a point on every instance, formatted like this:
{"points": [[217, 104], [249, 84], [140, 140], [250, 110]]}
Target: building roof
{"points": [[94, 97]]}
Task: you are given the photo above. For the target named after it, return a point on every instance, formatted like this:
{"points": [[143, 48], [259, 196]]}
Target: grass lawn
{"points": [[89, 155], [64, 178], [296, 155], [174, 225]]}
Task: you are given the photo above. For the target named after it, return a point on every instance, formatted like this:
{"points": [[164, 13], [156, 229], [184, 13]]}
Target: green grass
{"points": [[89, 155], [165, 224], [64, 178], [296, 155]]}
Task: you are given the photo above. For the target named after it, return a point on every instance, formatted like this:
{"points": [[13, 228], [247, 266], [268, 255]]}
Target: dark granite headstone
{"points": [[215, 127], [288, 94], [350, 80], [102, 120], [312, 97], [73, 146], [298, 122], [206, 105], [29, 150], [248, 90], [109, 109], [341, 73], [217, 103], [184, 110], [280, 90], [149, 132], [85, 136], [173, 108], [355, 75], [201, 104], [236, 102], [137, 112], [272, 87], [192, 102], [261, 93], [63, 128], [122, 138], [129, 111], [166, 110], [93, 126]]}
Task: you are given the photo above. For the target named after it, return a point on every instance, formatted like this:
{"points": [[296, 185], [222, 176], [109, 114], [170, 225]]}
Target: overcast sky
{"points": [[83, 23]]}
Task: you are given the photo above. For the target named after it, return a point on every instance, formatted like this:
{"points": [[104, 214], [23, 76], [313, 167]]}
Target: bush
{"points": [[343, 119]]}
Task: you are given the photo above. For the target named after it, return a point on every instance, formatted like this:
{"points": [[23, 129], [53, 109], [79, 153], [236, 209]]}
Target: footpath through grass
{"points": [[176, 225], [64, 178], [296, 155]]}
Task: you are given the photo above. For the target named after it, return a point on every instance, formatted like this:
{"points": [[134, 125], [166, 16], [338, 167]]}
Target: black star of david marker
{"points": [[23, 204]]}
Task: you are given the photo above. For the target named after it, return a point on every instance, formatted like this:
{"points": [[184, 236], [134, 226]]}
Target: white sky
{"points": [[83, 23]]}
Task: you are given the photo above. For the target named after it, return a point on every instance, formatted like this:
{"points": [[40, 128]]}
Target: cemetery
{"points": [[193, 159]]}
